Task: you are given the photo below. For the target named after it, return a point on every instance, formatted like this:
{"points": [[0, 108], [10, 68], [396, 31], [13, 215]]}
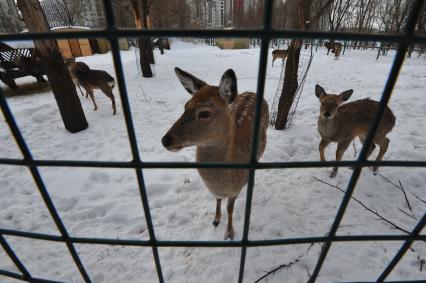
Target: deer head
{"points": [[330, 102], [207, 118]]}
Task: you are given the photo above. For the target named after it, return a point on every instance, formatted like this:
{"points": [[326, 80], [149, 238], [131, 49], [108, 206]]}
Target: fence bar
{"points": [[193, 165], [262, 34], [401, 252], [20, 277], [236, 243], [261, 77], [25, 274], [40, 185], [402, 49], [132, 135]]}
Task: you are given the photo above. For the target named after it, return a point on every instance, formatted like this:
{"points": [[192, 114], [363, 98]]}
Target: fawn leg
{"points": [[217, 216], [229, 234], [111, 96], [82, 94], [341, 148], [323, 144], [371, 149], [384, 143], [93, 99]]}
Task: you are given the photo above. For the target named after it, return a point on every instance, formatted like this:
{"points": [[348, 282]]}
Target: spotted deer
{"points": [[342, 123], [73, 68], [279, 53], [96, 79], [218, 121]]}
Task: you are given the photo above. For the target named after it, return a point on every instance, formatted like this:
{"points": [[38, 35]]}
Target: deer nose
{"points": [[327, 114], [167, 140]]}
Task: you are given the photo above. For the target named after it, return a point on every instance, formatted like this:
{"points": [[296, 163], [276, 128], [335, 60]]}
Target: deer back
{"points": [[94, 79]]}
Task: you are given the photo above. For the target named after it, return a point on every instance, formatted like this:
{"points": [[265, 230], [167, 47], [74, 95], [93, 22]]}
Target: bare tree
{"points": [[57, 72]]}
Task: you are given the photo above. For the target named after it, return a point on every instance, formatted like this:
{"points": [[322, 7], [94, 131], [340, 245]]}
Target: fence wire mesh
{"points": [[266, 34]]}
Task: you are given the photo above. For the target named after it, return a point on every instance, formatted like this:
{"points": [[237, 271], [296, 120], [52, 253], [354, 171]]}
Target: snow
{"points": [[286, 203], [20, 44]]}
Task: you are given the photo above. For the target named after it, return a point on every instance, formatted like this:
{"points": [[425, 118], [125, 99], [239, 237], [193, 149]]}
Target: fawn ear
{"points": [[319, 91], [228, 86], [346, 94], [189, 82]]}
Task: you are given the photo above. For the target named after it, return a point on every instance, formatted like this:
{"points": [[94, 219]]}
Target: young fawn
{"points": [[331, 45], [342, 123], [96, 79], [218, 121], [73, 68], [278, 53]]}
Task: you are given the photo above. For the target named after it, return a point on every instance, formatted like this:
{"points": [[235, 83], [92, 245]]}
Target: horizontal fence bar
{"points": [[20, 277], [194, 165], [254, 33], [235, 243]]}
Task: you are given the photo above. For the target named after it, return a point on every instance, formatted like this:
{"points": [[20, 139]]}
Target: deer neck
{"points": [[327, 127], [221, 149]]}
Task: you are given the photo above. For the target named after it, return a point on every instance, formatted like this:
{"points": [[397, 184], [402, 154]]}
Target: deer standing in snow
{"points": [[279, 53], [218, 121], [342, 123], [96, 79]]}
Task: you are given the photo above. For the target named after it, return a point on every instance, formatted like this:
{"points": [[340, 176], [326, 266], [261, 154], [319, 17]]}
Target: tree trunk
{"points": [[145, 44], [297, 14], [57, 72]]}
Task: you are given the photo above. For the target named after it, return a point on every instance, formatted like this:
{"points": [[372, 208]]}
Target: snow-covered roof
{"points": [[20, 44]]}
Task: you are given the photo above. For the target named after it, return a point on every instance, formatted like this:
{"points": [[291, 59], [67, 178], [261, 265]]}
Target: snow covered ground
{"points": [[286, 203]]}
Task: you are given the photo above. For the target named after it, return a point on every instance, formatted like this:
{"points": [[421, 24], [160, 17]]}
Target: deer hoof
{"points": [[333, 174], [229, 234], [375, 171], [215, 223]]}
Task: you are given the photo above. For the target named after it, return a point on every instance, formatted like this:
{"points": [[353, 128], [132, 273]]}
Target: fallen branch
{"points": [[366, 207], [285, 265]]}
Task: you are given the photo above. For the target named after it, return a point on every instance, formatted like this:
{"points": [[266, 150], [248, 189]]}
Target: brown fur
{"points": [[278, 53], [224, 137], [337, 51], [342, 123], [331, 45], [73, 68], [96, 79]]}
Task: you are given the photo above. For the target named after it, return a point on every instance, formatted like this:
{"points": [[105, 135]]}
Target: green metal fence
{"points": [[266, 34]]}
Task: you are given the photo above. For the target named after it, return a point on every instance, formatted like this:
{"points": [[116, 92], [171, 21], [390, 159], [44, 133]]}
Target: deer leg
{"points": [[341, 148], [323, 144], [82, 94], [384, 143], [111, 96], [371, 149], [217, 216], [273, 59], [230, 209], [93, 99]]}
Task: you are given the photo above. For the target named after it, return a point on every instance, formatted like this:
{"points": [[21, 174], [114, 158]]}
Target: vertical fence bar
{"points": [[41, 187], [25, 273], [396, 67], [263, 60], [132, 136], [416, 231]]}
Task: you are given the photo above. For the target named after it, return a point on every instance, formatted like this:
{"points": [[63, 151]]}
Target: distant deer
{"points": [[331, 45], [337, 50], [279, 53], [96, 79], [73, 68], [30, 66], [342, 123], [218, 121]]}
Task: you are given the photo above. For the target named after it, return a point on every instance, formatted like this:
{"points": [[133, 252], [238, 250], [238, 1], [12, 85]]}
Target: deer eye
{"points": [[204, 114], [322, 103], [335, 105]]}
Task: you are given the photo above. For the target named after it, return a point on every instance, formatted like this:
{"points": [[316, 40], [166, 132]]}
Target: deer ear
{"points": [[228, 86], [346, 94], [319, 91], [189, 82]]}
